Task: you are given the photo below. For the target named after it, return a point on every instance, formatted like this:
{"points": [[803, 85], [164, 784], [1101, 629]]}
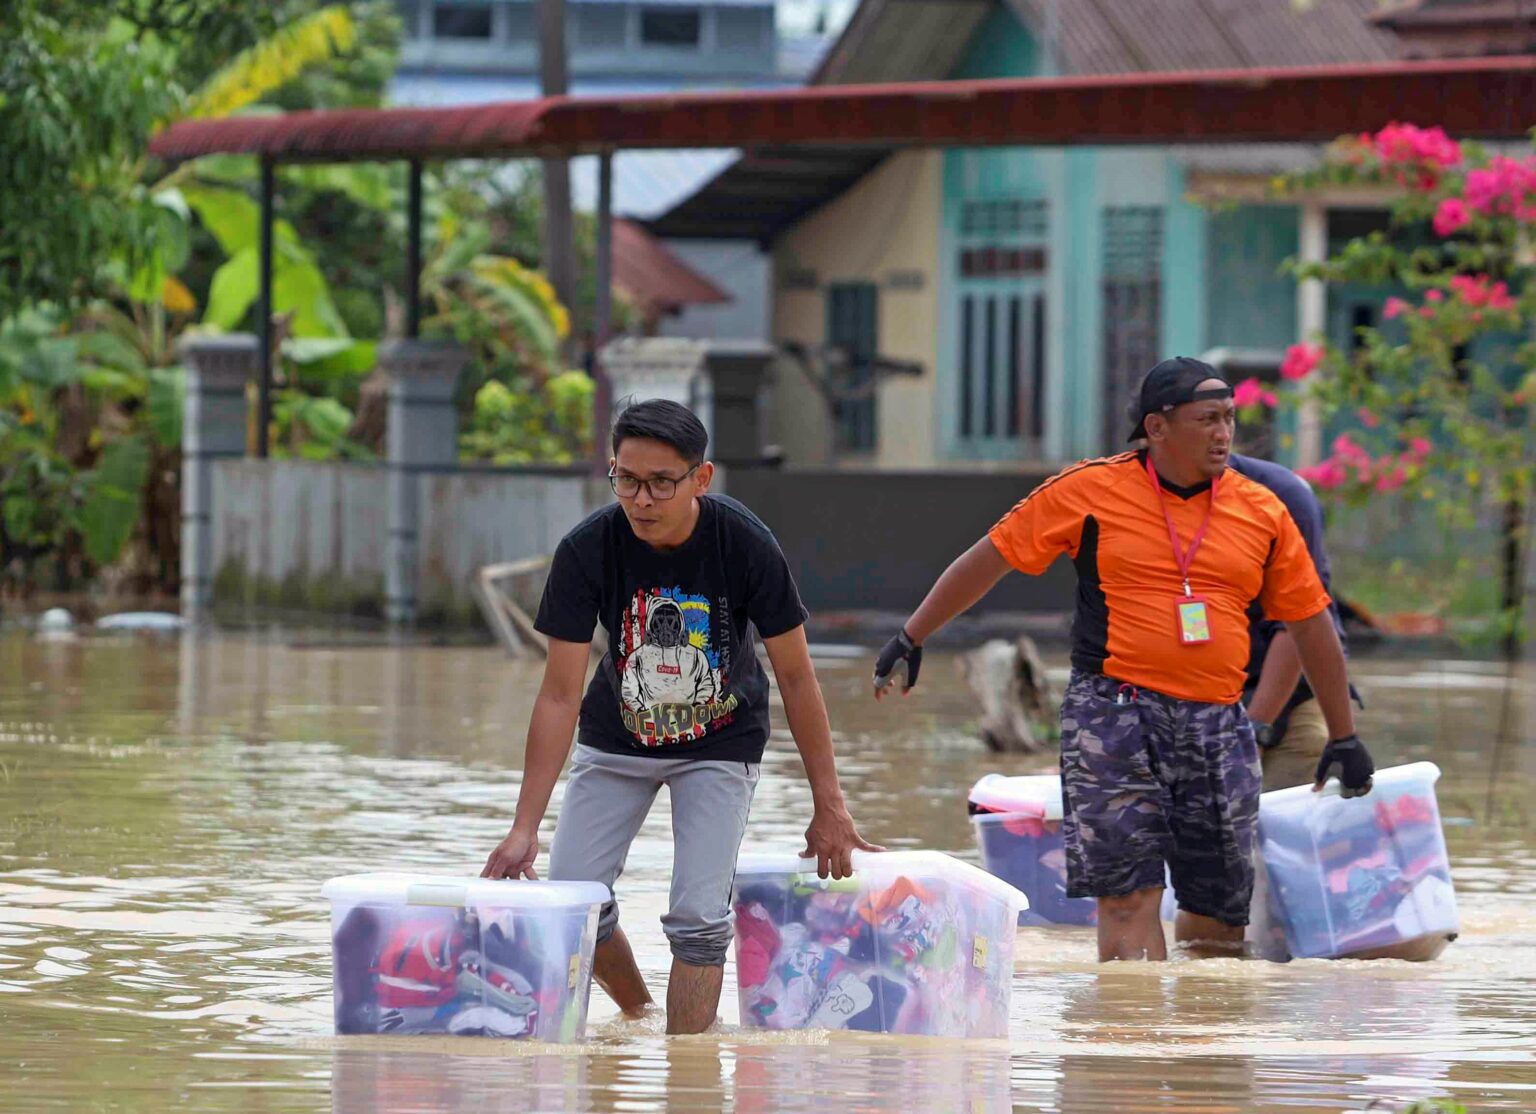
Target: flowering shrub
{"points": [[1440, 390]]}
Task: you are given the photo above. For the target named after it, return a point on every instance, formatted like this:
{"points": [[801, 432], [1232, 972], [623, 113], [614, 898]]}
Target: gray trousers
{"points": [[607, 797]]}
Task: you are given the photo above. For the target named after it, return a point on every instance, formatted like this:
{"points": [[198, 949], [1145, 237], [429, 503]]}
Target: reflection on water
{"points": [[169, 809]]}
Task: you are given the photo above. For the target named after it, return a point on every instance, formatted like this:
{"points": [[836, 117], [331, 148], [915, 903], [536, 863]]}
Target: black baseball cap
{"points": [[1173, 383]]}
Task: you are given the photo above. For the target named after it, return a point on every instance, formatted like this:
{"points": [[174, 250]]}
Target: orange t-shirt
{"points": [[1105, 515]]}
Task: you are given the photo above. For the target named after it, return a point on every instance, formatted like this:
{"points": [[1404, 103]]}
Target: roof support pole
{"points": [[1311, 322], [602, 314], [413, 251], [264, 311], [559, 237], [602, 298]]}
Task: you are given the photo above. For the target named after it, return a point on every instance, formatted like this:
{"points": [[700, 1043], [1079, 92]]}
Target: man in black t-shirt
{"points": [[676, 576]]}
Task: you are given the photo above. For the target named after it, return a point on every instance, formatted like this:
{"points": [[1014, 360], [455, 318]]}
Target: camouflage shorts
{"points": [[1158, 780]]}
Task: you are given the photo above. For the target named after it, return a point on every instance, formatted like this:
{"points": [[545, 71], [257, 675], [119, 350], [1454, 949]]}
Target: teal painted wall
{"points": [[1078, 183], [1001, 47], [1249, 302]]}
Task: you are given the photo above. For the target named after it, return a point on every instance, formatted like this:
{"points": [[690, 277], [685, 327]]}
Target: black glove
{"points": [[898, 649], [1355, 766]]}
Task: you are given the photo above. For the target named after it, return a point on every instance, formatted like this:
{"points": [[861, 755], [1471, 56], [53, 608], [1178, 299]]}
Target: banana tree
{"points": [[90, 401]]}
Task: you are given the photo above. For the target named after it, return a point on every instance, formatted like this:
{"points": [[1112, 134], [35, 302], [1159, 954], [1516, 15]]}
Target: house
{"points": [[989, 306]]}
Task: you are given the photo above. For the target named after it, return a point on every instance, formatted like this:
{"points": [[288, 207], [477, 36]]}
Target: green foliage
{"points": [[111, 507], [539, 423]]}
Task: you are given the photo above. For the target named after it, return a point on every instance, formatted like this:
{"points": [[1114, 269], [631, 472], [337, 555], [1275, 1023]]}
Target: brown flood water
{"points": [[169, 809]]}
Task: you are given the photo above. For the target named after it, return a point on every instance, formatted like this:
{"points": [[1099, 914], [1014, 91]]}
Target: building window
{"points": [[670, 26], [852, 329], [1133, 308], [1001, 264], [461, 21]]}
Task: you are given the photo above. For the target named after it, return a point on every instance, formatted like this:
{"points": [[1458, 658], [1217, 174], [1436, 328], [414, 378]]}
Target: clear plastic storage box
{"points": [[1359, 875], [1017, 821], [913, 942], [420, 953]]}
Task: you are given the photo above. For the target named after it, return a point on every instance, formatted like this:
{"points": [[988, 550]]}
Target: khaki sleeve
{"points": [[1045, 524], [1292, 590]]}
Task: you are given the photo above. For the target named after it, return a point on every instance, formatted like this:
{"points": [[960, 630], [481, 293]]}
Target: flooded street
{"points": [[169, 809]]}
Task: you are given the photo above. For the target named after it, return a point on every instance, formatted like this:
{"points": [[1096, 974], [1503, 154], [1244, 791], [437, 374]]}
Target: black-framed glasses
{"points": [[661, 488]]}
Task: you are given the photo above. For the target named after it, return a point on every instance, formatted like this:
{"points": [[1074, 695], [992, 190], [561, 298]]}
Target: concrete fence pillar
{"points": [[641, 368], [423, 436], [213, 427]]}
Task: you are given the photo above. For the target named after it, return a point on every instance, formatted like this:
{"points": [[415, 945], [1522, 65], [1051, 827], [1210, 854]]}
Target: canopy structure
{"points": [[1491, 98]]}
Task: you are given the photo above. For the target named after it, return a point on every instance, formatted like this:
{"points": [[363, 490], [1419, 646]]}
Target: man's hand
{"points": [[1355, 767], [832, 839], [898, 649], [513, 857]]}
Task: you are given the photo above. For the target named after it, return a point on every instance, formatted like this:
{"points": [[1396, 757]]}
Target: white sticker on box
{"points": [[435, 893]]}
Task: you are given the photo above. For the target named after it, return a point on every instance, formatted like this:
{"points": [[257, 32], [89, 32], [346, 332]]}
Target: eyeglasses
{"points": [[661, 488]]}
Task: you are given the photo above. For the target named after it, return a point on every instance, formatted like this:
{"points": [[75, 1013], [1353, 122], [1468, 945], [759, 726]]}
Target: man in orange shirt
{"points": [[1158, 761]]}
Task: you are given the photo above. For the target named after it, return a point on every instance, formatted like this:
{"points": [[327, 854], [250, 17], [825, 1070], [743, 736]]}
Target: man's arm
{"points": [[969, 577], [1277, 679], [831, 837], [555, 712]]}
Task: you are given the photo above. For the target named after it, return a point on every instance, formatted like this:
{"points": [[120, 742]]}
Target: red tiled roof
{"points": [[653, 277]]}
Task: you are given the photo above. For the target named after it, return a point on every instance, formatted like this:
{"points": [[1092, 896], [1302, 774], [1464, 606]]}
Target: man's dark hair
{"points": [[671, 423]]}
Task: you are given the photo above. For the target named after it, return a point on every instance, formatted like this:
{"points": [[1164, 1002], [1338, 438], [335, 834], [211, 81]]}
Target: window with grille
{"points": [[1133, 302], [853, 329], [1001, 265]]}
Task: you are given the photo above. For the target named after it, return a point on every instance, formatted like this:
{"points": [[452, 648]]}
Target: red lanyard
{"points": [[1184, 558]]}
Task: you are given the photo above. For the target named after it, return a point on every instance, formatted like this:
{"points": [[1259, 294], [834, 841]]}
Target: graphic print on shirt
{"points": [[672, 677]]}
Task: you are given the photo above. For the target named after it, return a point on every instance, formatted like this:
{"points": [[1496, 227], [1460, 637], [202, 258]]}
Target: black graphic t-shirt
{"points": [[680, 677]]}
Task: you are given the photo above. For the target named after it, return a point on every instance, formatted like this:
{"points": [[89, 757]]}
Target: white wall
{"points": [[740, 269]]}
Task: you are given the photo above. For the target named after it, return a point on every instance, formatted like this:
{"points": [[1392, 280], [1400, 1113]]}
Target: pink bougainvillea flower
{"points": [[1505, 187], [1349, 451], [1419, 448], [1250, 392], [1407, 143], [1394, 307], [1434, 295], [1391, 478], [1367, 419], [1451, 216], [1328, 475], [1300, 361]]}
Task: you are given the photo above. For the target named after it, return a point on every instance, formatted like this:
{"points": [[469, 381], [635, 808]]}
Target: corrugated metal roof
{"points": [[918, 40], [1472, 97]]}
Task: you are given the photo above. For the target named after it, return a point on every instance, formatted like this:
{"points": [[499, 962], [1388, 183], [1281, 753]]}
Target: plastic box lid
{"points": [[1396, 777], [392, 888], [879, 866], [1036, 795]]}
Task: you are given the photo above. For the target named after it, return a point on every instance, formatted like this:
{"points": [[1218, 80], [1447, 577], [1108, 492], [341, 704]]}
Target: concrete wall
{"points": [[885, 231], [742, 270], [877, 540], [312, 536]]}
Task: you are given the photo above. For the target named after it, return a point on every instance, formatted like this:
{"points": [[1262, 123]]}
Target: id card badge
{"points": [[1194, 624]]}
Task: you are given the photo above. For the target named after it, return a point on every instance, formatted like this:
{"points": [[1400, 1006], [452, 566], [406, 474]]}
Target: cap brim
{"points": [[1140, 432]]}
